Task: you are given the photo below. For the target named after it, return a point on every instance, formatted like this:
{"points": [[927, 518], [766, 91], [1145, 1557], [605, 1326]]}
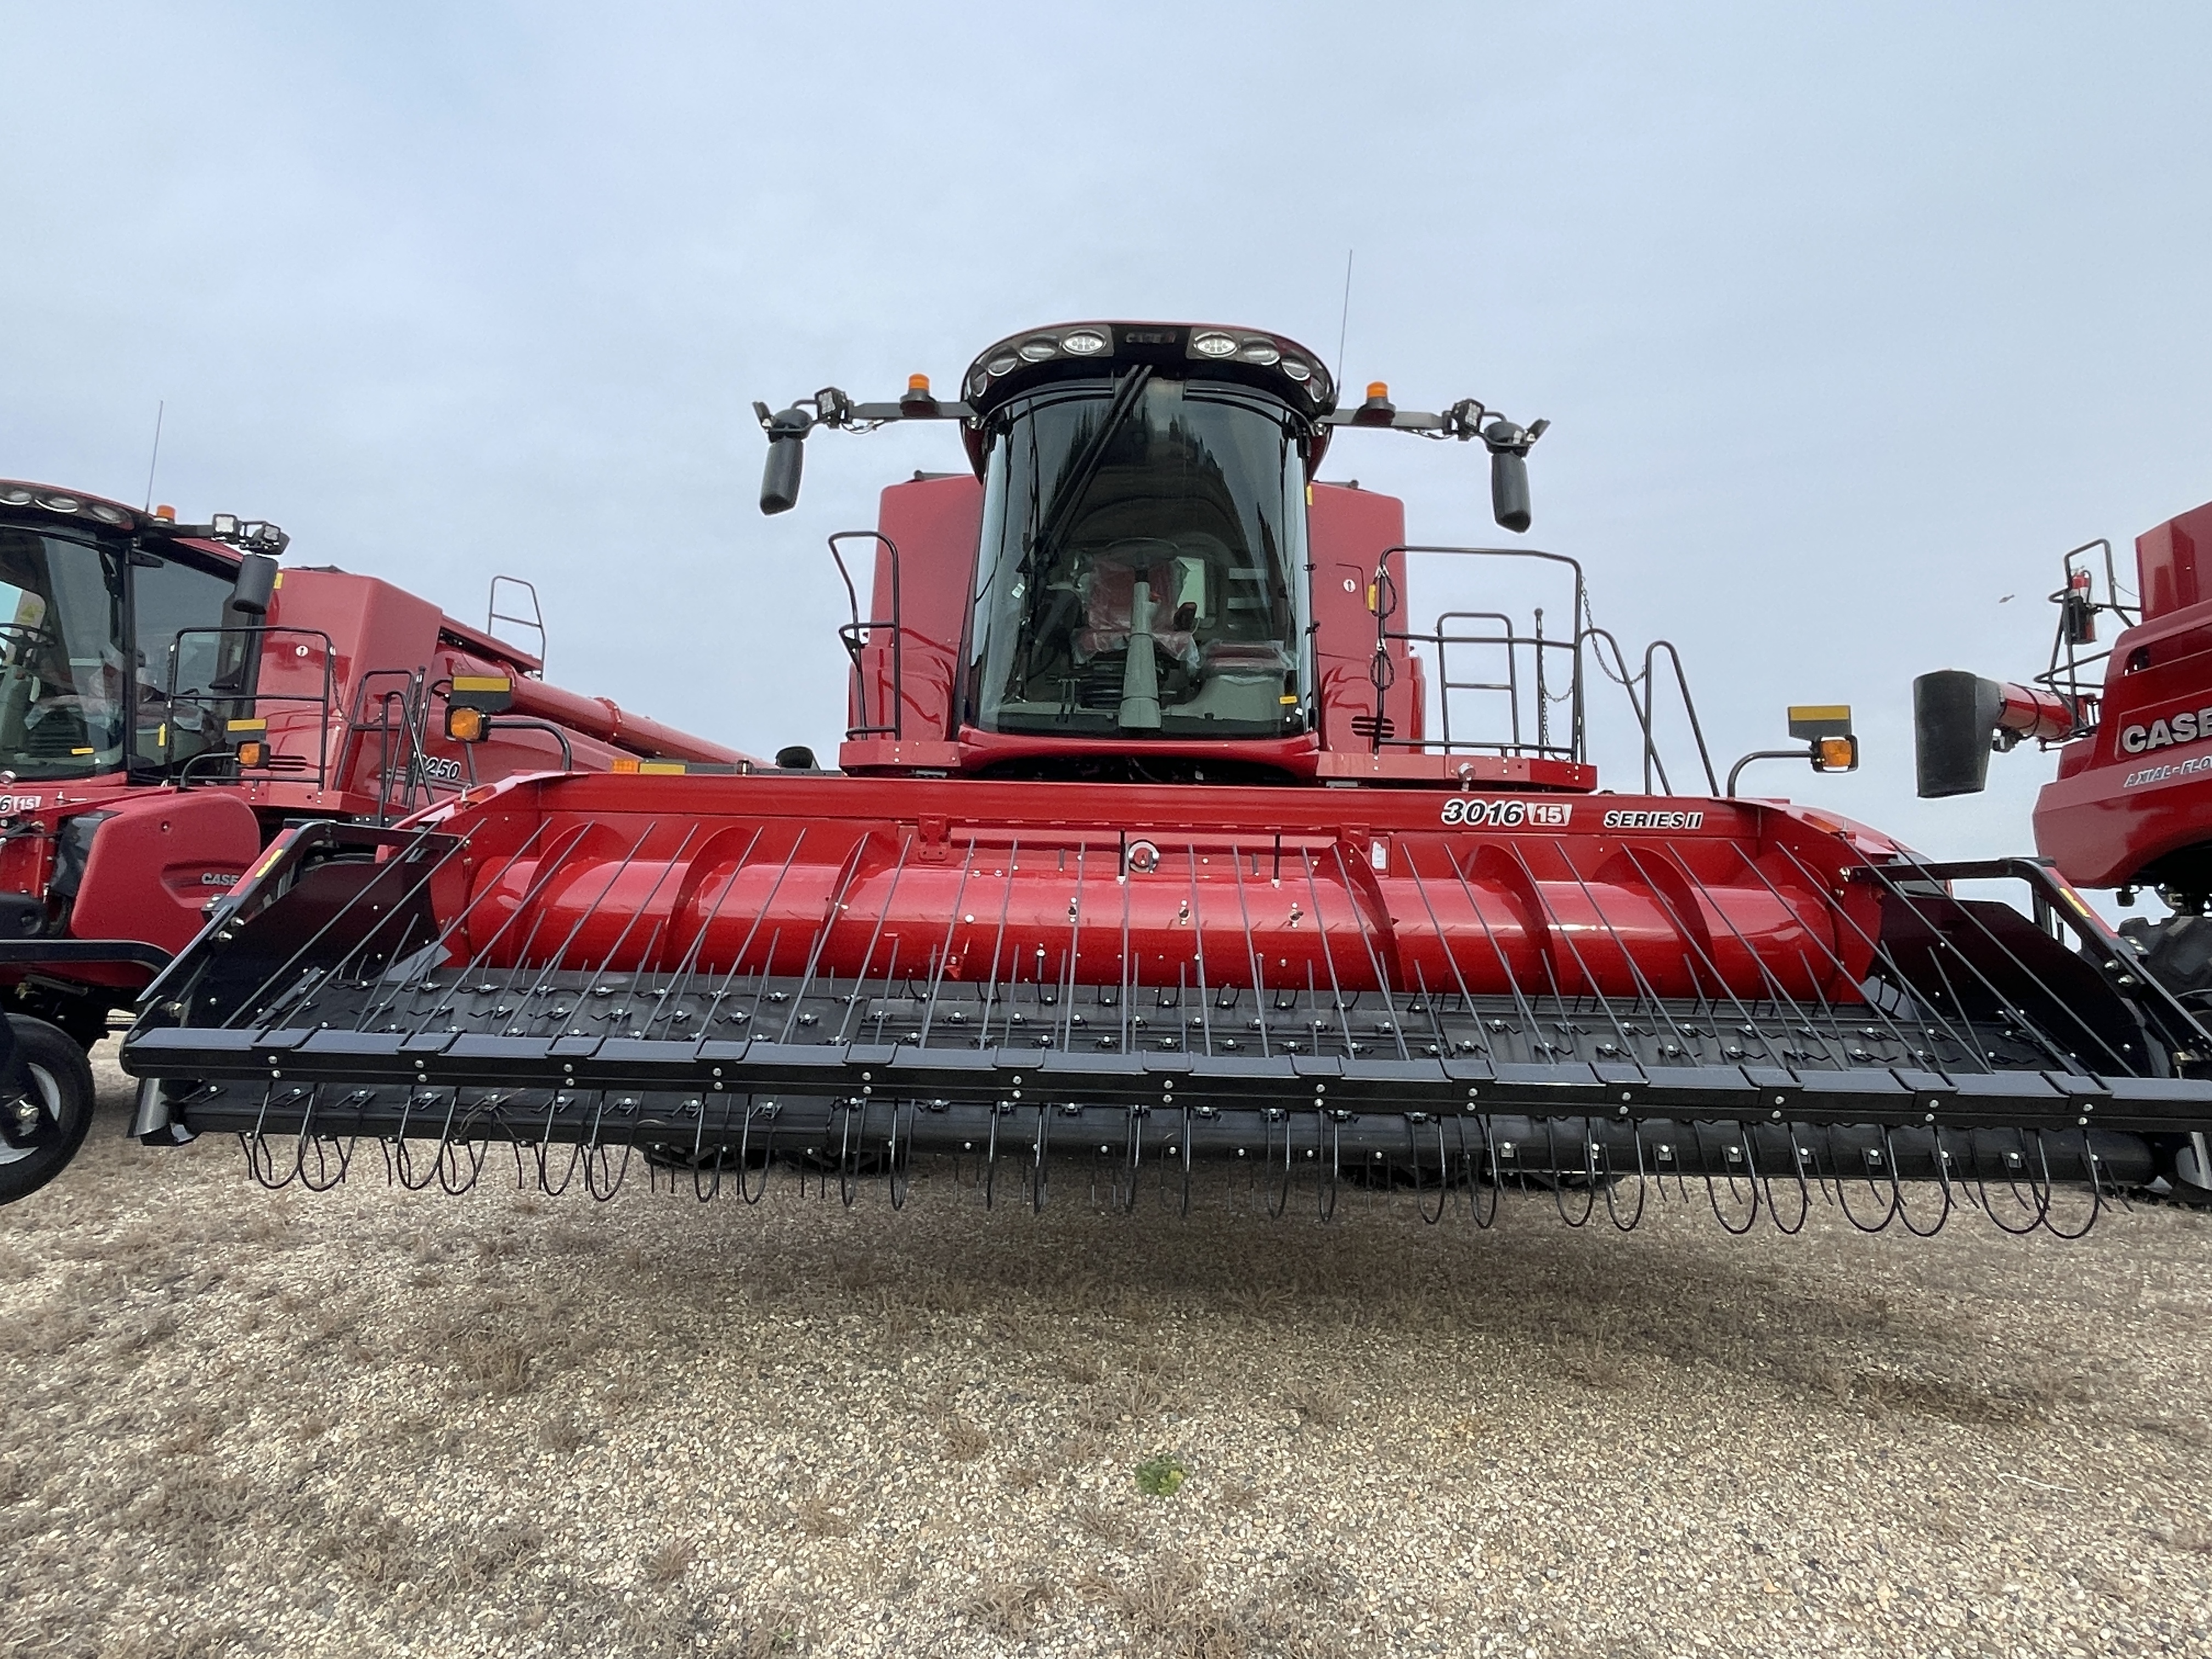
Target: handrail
{"points": [[1382, 671], [256, 635], [855, 634]]}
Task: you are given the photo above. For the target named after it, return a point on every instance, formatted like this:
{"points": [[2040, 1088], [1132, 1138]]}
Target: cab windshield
{"points": [[81, 691], [1143, 544], [64, 678]]}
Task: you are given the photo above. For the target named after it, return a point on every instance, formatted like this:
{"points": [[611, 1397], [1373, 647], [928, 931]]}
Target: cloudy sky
{"points": [[1850, 319]]}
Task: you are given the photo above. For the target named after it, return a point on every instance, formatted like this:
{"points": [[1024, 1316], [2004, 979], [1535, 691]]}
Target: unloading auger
{"points": [[1149, 849]]}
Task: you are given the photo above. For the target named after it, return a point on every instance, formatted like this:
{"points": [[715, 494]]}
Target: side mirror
{"points": [[1955, 716], [255, 584], [1508, 472], [786, 459], [1509, 489]]}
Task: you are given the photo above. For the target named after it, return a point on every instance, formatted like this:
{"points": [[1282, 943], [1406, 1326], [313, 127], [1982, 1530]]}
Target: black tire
{"points": [[56, 1080]]}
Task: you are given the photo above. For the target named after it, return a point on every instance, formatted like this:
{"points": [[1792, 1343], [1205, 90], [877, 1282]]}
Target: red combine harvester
{"points": [[168, 701], [1162, 837], [2131, 806]]}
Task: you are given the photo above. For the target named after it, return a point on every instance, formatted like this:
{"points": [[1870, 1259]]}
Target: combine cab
{"points": [[1163, 836], [168, 700]]}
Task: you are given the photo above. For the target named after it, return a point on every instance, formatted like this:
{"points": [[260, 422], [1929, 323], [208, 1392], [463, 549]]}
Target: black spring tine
{"points": [[1122, 967], [1749, 950], [1612, 1209], [1790, 1230], [1444, 1186], [850, 874], [1843, 1202], [753, 1195], [2037, 1211], [1325, 1129], [1559, 1186], [847, 1154], [553, 961], [1943, 1180], [680, 981], [1074, 945], [1328, 956], [1198, 948], [737, 956], [1751, 1170], [547, 870], [1276, 1206], [601, 1158], [1522, 1006], [1251, 950], [1186, 1162], [991, 1157], [1896, 1033], [1436, 926], [1604, 1003], [2089, 1162], [1040, 1152], [1923, 1010], [998, 945], [898, 1172], [1375, 961], [1648, 1002]]}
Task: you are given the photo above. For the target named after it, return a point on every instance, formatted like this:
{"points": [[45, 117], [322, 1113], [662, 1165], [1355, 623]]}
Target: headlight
{"points": [[1082, 342], [1037, 350], [59, 503], [1296, 369], [1214, 345], [1002, 364], [1262, 352]]}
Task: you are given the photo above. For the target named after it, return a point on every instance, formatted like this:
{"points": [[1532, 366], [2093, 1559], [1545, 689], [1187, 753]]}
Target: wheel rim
{"points": [[49, 1090]]}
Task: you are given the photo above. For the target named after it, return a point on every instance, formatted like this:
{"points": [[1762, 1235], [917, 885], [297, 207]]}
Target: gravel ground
{"points": [[372, 1421]]}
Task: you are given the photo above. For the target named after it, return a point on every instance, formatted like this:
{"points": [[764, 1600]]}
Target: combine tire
{"points": [[45, 1106]]}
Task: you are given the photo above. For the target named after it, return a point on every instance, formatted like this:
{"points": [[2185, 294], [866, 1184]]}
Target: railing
{"points": [[1532, 664], [855, 634], [215, 700], [2070, 675]]}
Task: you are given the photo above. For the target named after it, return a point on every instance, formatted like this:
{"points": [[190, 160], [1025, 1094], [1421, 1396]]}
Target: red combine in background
{"points": [[169, 699], [2131, 720], [1163, 835]]}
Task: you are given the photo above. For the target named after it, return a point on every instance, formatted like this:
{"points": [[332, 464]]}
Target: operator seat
{"points": [[1108, 591]]}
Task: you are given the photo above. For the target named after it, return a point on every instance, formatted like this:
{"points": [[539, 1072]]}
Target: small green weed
{"points": [[1160, 1477]]}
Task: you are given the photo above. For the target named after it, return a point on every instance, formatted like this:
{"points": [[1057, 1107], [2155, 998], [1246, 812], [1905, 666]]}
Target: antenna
{"points": [[160, 408], [1343, 321]]}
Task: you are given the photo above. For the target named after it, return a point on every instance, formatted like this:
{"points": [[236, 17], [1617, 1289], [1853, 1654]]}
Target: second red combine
{"points": [[1163, 836]]}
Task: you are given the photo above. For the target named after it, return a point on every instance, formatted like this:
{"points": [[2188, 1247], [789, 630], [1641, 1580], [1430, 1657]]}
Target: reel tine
{"points": [[1904, 1210], [1612, 1208], [899, 1178], [1751, 1182], [1790, 1229], [1325, 1197], [2090, 1161], [1843, 1202], [1444, 1186], [260, 1160], [1559, 1186]]}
